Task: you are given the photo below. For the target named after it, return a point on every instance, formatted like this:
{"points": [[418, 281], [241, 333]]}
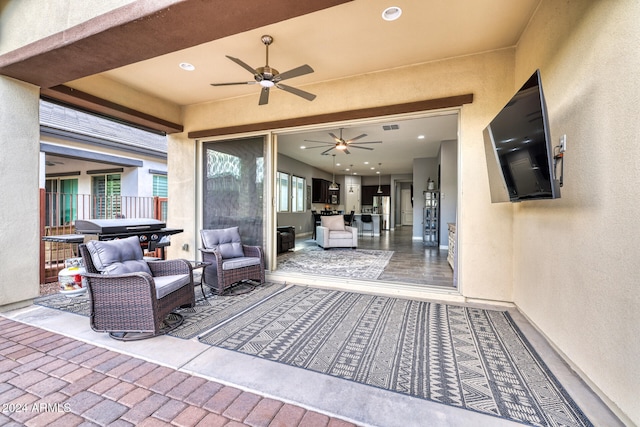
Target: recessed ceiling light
{"points": [[420, 136], [391, 13], [366, 163], [186, 66], [302, 147]]}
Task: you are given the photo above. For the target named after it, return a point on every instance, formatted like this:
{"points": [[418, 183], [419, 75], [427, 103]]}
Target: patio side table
{"points": [[197, 265]]}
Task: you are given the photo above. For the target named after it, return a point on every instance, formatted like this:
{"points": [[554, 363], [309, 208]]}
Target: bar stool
{"points": [[367, 221]]}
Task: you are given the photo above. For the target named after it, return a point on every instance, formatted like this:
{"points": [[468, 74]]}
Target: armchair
{"points": [[332, 233], [231, 261], [131, 298], [286, 238]]}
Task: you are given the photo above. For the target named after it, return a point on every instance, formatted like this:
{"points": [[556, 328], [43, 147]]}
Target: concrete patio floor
{"points": [[326, 400]]}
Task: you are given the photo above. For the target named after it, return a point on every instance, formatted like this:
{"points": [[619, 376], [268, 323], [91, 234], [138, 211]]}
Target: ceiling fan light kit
{"points": [[268, 77]]}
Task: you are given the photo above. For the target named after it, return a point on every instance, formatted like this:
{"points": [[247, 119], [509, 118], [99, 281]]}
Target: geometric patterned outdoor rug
{"points": [[465, 357], [336, 262], [199, 319]]}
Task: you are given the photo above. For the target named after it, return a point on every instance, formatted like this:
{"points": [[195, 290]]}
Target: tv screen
{"points": [[518, 148]]}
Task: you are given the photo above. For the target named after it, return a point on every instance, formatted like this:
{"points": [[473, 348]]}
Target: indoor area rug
{"points": [[461, 356], [206, 314], [337, 262]]}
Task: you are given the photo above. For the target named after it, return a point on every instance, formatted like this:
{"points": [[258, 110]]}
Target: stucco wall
{"points": [[576, 258], [19, 198], [21, 21]]}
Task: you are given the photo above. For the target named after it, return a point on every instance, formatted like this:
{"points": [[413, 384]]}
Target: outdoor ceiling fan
{"points": [[342, 144], [268, 77]]}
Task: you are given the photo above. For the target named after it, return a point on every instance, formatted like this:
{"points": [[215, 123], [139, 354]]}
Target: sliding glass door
{"points": [[233, 187]]}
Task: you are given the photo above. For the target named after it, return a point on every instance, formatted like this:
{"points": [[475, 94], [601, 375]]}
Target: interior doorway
{"points": [[406, 208]]}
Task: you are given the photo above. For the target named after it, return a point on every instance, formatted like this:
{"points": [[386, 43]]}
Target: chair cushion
{"points": [[333, 222], [226, 240], [234, 263], [167, 284], [119, 256], [340, 235]]}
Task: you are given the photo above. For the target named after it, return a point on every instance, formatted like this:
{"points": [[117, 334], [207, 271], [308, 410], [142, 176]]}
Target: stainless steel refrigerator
{"points": [[382, 207]]}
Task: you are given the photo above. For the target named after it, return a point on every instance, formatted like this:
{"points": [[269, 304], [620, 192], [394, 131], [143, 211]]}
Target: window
{"points": [[298, 185], [61, 201], [282, 192], [290, 188], [160, 186], [105, 190]]}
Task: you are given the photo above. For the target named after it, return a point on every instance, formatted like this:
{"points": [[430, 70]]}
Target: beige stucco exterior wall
{"points": [[484, 229], [19, 197], [576, 258], [25, 21]]}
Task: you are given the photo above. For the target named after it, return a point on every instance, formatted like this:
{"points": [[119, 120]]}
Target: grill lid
{"points": [[116, 226]]}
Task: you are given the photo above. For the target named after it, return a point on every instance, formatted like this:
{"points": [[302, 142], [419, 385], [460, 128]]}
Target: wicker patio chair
{"points": [[132, 298], [231, 261]]}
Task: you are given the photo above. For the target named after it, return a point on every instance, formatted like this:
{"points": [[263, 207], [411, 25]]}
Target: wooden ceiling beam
{"points": [[364, 113]]}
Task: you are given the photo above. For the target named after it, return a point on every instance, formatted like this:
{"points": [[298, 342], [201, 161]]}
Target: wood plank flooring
{"points": [[412, 262]]}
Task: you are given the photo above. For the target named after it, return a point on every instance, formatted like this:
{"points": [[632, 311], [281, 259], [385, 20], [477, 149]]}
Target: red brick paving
{"points": [[51, 380]]}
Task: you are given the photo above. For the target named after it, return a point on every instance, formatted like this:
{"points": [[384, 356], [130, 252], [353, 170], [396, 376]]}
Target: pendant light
{"points": [[351, 186], [379, 172], [334, 186]]}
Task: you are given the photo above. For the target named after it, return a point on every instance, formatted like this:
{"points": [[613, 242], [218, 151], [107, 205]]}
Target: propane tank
{"points": [[70, 278]]}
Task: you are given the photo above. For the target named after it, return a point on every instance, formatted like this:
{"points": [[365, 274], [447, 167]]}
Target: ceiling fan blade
{"points": [[242, 64], [321, 142], [363, 142], [264, 96], [301, 93], [361, 148], [349, 141], [234, 83], [326, 151], [332, 135], [346, 151], [299, 71], [317, 146]]}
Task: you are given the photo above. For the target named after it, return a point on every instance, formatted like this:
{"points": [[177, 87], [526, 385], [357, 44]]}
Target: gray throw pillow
{"points": [[121, 256]]}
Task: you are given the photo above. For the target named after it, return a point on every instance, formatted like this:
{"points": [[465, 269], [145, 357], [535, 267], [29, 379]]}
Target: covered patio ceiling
{"points": [[141, 46]]}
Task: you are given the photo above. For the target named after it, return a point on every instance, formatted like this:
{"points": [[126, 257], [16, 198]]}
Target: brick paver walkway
{"points": [[47, 379]]}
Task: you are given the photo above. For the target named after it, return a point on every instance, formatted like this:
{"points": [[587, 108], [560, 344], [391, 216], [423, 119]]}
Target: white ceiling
{"points": [[342, 41]]}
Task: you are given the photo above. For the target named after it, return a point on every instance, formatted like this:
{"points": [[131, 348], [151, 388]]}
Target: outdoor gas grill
{"points": [[152, 233]]}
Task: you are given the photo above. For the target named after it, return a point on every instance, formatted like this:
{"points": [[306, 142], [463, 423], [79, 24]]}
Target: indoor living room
{"points": [[386, 161]]}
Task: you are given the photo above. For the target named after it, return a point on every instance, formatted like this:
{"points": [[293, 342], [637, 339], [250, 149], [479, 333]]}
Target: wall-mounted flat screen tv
{"points": [[518, 148]]}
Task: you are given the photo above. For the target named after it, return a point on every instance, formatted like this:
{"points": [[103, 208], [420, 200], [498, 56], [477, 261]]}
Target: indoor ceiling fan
{"points": [[268, 77], [342, 144]]}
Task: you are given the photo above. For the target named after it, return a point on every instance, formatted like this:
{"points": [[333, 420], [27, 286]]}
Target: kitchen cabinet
{"points": [[320, 192], [370, 191]]}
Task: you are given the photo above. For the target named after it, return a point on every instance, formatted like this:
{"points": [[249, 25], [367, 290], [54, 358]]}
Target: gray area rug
{"points": [[465, 357], [337, 262], [206, 314]]}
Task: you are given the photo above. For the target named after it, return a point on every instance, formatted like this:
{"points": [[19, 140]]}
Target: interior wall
{"points": [[575, 259], [302, 221], [448, 188]]}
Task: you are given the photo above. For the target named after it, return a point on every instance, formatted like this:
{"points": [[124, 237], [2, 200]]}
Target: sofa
{"points": [[332, 233]]}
